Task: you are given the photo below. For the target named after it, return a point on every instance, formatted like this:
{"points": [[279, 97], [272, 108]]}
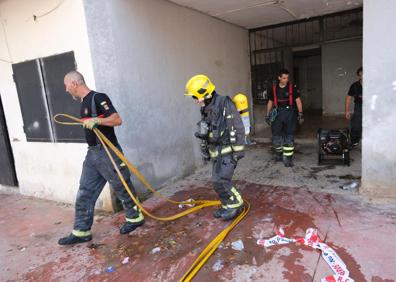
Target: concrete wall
{"points": [[143, 54], [339, 64], [379, 115], [45, 170]]}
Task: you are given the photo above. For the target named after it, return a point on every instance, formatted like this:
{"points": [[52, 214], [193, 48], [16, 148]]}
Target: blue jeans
{"points": [[97, 170]]}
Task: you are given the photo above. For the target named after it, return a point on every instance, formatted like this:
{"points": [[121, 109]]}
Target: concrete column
{"points": [[379, 90]]}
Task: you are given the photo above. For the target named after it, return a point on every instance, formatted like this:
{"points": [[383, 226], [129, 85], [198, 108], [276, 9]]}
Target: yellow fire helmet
{"points": [[241, 102], [199, 86]]}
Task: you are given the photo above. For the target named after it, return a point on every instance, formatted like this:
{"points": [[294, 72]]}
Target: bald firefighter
{"points": [[222, 135], [97, 111]]}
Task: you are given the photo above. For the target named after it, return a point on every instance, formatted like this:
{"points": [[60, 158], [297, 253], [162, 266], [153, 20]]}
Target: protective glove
{"points": [[238, 155], [300, 118], [268, 120], [91, 123]]}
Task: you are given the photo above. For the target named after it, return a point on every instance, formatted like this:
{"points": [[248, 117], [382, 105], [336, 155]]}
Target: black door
{"points": [[7, 168]]}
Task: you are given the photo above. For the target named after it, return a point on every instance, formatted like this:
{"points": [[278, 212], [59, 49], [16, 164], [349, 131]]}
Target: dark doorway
{"points": [[308, 77], [7, 171]]}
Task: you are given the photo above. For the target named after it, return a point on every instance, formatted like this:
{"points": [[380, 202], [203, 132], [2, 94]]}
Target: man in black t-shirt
{"points": [[282, 116], [356, 91], [97, 111]]}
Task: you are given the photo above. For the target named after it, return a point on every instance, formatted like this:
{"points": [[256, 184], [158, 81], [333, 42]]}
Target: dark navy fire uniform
{"points": [[356, 91], [226, 144], [97, 169], [284, 126]]}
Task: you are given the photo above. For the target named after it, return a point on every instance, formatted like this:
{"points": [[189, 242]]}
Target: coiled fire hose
{"points": [[209, 249]]}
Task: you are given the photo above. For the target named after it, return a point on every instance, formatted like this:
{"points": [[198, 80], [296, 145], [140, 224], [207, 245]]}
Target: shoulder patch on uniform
{"points": [[105, 106]]}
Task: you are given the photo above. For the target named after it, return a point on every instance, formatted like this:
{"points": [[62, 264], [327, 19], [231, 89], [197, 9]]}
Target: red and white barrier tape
{"points": [[341, 273]]}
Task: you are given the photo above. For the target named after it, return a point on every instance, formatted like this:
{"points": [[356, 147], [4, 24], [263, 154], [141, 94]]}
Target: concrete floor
{"points": [[359, 229], [312, 122]]}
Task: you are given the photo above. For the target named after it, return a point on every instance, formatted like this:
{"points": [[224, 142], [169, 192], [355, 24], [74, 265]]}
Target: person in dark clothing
{"points": [[97, 111], [222, 135], [284, 109], [355, 91]]}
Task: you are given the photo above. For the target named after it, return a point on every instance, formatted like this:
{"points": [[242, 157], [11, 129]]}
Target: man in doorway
{"points": [[356, 91], [98, 111], [284, 109]]}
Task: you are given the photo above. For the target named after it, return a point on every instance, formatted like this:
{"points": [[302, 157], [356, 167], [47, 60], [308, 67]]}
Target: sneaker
{"points": [[128, 227], [72, 239]]}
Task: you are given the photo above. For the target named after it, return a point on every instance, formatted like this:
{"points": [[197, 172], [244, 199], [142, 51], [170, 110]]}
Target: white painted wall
{"points": [[143, 54], [45, 170], [379, 87]]}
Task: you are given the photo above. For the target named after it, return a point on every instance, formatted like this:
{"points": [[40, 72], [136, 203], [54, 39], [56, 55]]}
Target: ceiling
{"points": [[258, 13]]}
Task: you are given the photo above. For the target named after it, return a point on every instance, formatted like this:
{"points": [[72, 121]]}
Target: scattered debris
{"points": [[125, 260], [23, 249], [156, 250], [218, 265], [57, 223], [254, 262], [351, 186], [94, 246], [110, 269], [312, 239], [237, 245], [172, 242], [349, 176], [97, 272], [267, 219], [99, 218], [187, 205]]}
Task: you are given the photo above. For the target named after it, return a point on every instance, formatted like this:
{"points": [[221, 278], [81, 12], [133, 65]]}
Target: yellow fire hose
{"points": [[209, 250]]}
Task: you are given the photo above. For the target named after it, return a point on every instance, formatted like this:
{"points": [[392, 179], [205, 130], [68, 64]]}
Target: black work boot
{"points": [[288, 161], [128, 227], [278, 153], [72, 239], [229, 213], [218, 213], [355, 144]]}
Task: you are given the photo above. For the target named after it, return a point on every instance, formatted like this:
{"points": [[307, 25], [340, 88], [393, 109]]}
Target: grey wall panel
{"points": [[54, 69], [32, 101]]}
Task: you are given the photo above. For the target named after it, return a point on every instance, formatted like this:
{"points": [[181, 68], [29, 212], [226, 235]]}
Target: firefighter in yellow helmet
{"points": [[222, 137]]}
